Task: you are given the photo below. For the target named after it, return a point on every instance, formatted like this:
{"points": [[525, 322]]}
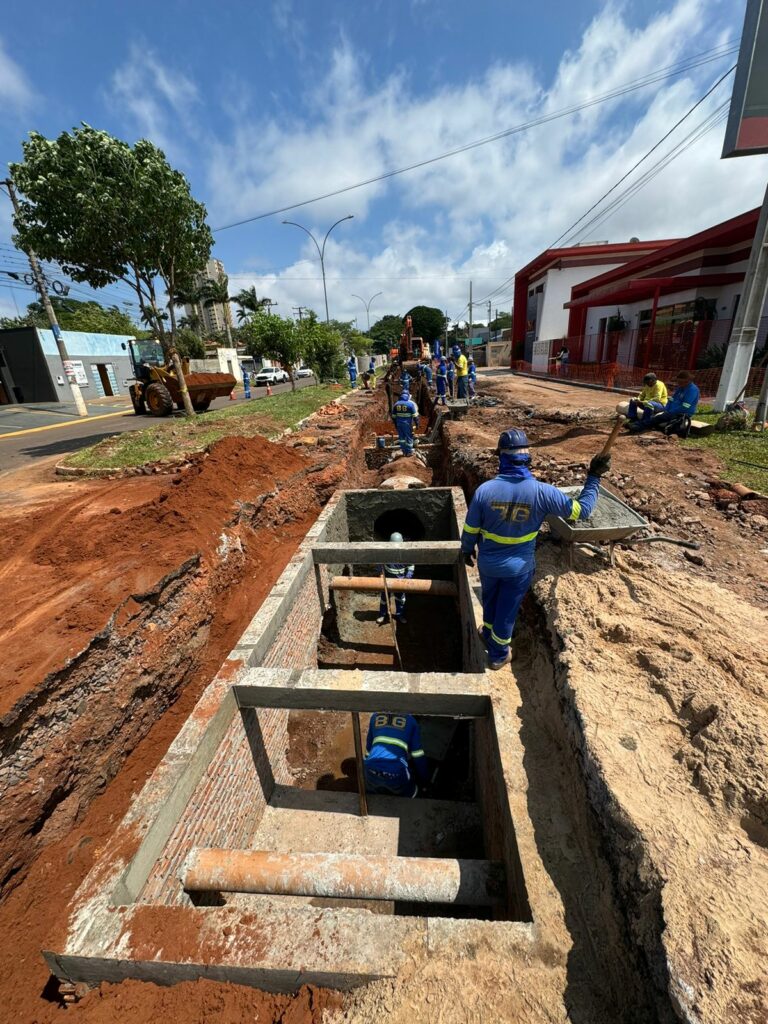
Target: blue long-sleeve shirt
{"points": [[684, 400], [396, 738], [506, 513]]}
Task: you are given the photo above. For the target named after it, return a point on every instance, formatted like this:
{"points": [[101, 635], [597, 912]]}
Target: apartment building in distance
{"points": [[215, 318]]}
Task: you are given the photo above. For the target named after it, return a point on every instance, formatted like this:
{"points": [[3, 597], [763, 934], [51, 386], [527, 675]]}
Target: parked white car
{"points": [[305, 371], [270, 375]]}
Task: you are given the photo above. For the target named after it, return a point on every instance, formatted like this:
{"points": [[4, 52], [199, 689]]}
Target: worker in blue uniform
{"points": [[394, 571], [371, 366], [352, 369], [451, 373], [405, 413], [677, 413], [504, 518], [395, 763], [442, 381], [472, 372]]}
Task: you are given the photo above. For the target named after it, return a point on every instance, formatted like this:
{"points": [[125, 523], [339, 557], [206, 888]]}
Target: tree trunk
{"points": [[174, 357], [290, 378], [229, 334]]}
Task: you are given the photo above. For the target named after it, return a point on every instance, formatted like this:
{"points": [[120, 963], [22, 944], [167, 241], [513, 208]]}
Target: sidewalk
{"points": [[44, 414]]}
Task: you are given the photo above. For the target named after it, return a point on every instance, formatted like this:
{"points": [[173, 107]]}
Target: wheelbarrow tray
{"points": [[610, 520]]}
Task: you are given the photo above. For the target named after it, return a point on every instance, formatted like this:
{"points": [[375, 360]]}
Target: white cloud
{"points": [[160, 102], [486, 212], [16, 92]]}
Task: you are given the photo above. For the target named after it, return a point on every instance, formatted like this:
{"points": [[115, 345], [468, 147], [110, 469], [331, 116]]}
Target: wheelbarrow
{"points": [[611, 521]]}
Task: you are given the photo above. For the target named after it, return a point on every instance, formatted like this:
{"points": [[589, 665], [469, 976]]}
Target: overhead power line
{"points": [[666, 135], [706, 57]]}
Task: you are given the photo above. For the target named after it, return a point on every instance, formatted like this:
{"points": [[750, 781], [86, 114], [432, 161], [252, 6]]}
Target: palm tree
{"points": [[249, 302], [192, 296], [216, 293]]}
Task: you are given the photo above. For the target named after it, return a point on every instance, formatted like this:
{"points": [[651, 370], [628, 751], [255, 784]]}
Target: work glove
{"points": [[600, 465], [469, 559]]}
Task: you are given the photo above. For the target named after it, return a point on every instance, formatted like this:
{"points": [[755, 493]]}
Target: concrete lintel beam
{"points": [[436, 552]]}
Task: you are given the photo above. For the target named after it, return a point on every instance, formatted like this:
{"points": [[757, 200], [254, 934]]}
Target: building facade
{"points": [[544, 286], [31, 369], [213, 319]]}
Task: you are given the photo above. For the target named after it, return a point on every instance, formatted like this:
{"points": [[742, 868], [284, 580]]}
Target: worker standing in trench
{"points": [[442, 381], [405, 412], [394, 571], [504, 517], [394, 754], [461, 372]]}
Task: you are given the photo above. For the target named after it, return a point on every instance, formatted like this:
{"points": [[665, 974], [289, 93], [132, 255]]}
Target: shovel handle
{"points": [[613, 435]]}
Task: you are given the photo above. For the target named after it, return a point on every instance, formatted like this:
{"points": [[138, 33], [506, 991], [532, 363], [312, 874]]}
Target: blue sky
{"points": [[272, 103]]}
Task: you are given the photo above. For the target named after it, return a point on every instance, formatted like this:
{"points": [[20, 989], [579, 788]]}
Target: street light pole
{"points": [[321, 251], [367, 305]]}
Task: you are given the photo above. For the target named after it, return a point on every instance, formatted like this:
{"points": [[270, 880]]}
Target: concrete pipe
{"points": [[363, 584], [345, 876]]}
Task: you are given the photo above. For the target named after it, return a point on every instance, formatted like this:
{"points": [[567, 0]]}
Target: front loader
{"points": [[155, 388]]}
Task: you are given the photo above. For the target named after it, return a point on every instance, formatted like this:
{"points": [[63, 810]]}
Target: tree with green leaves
{"points": [[76, 315], [385, 333], [502, 322], [271, 337], [107, 211], [321, 347], [249, 303], [428, 322], [189, 344]]}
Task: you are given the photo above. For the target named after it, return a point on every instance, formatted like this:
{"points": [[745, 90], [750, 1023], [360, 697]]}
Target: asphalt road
{"points": [[29, 434]]}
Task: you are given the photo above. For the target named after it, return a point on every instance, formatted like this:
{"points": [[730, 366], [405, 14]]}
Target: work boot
{"points": [[401, 618], [381, 620], [494, 666]]}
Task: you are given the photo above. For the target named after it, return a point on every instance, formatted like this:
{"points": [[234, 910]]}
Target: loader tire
{"points": [[201, 406], [159, 400]]}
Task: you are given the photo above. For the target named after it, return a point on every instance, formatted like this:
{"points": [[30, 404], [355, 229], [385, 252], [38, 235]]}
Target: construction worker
{"points": [[675, 417], [462, 372], [394, 571], [404, 413], [426, 371], [652, 399], [451, 371], [394, 755], [352, 368], [472, 374], [442, 381], [504, 517], [372, 366]]}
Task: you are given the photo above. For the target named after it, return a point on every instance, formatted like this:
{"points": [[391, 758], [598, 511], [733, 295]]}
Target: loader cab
{"points": [[144, 355]]}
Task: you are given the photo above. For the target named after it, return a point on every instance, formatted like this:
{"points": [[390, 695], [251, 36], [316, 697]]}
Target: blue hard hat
{"points": [[405, 396], [512, 440]]}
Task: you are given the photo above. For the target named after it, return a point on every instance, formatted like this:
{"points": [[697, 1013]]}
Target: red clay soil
{"points": [[69, 564]]}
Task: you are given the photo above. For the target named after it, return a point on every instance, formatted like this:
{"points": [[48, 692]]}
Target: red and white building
{"points": [[658, 304]]}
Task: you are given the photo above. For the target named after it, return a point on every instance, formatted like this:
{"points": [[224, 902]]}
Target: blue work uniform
{"points": [[428, 374], [442, 381], [504, 518], [352, 367], [372, 365], [404, 413], [450, 372], [394, 755], [472, 370], [681, 407], [396, 571]]}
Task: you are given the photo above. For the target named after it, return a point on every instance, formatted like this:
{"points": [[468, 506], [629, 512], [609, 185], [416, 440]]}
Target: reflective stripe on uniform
{"points": [[391, 740], [508, 540], [575, 511], [417, 753], [499, 641], [488, 625], [471, 529]]}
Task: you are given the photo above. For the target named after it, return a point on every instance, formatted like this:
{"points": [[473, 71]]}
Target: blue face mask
{"points": [[511, 460]]}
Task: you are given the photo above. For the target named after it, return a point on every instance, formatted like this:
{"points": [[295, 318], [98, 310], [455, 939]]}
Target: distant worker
{"points": [[394, 755], [394, 571], [652, 399], [442, 381], [426, 370], [472, 374], [371, 366], [561, 361], [675, 418], [505, 516], [462, 372], [352, 368], [366, 380], [405, 412], [451, 377]]}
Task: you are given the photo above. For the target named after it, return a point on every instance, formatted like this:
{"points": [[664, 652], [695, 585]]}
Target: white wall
{"points": [[552, 322]]}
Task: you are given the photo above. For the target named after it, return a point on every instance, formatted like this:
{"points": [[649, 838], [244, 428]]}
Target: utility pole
{"points": [[300, 311], [741, 347], [321, 251], [367, 305], [37, 273], [489, 321], [469, 332], [445, 351]]}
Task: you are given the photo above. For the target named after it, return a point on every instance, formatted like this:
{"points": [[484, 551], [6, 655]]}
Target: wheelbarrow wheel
{"points": [[159, 400]]}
